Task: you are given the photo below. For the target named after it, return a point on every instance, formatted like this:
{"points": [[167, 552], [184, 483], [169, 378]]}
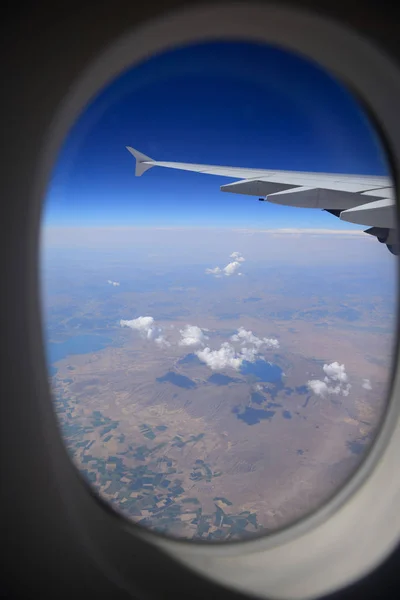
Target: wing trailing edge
{"points": [[381, 213]]}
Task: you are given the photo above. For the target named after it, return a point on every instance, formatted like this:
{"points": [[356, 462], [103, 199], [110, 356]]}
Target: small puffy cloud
{"points": [[244, 336], [321, 388], [318, 387], [249, 354], [192, 335], [247, 337], [226, 357], [216, 271], [220, 359], [366, 384], [237, 256], [114, 283], [230, 269], [335, 381], [270, 342], [144, 325], [336, 372], [346, 389], [162, 342]]}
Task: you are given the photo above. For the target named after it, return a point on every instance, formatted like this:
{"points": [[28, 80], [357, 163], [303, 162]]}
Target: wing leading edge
{"points": [[361, 199]]}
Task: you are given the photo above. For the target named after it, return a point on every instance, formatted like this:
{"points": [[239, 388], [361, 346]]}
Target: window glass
{"points": [[219, 365]]}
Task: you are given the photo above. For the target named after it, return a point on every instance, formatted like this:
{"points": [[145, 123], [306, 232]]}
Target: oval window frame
{"points": [[307, 559]]}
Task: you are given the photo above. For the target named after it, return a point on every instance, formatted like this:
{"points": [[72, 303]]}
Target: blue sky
{"points": [[222, 103]]}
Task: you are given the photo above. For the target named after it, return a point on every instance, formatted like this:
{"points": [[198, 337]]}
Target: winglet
{"points": [[143, 162]]}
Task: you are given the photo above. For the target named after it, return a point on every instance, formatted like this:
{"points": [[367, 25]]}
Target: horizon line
{"points": [[280, 230]]}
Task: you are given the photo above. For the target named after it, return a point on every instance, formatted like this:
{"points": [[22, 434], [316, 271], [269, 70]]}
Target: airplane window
{"points": [[220, 365]]}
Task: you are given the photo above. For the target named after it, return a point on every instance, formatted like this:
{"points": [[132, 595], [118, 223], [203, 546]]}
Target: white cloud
{"points": [[237, 256], [318, 387], [226, 357], [216, 271], [220, 359], [335, 372], [335, 381], [249, 354], [162, 342], [231, 268], [144, 325], [321, 388], [192, 336], [247, 337], [114, 283], [366, 384]]}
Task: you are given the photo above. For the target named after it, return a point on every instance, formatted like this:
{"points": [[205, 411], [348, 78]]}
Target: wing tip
{"points": [[143, 162]]}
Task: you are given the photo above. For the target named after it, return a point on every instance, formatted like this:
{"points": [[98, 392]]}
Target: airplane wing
{"points": [[361, 199]]}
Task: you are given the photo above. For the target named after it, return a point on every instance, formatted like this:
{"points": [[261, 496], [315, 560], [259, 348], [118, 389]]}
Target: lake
{"points": [[262, 370], [356, 447], [251, 416], [257, 398], [79, 344]]}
